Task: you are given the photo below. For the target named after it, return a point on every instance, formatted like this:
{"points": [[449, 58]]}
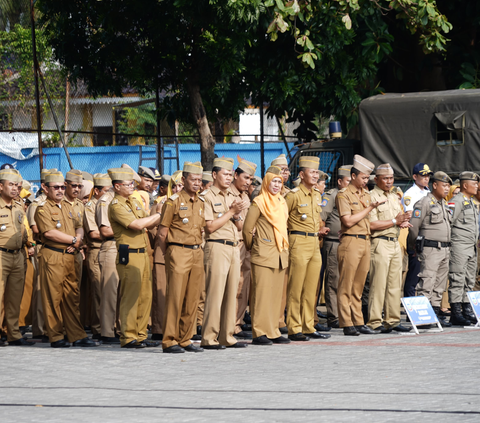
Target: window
{"points": [[450, 128]]}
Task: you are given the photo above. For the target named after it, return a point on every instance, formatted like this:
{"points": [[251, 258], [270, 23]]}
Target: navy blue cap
{"points": [[421, 169], [6, 166]]}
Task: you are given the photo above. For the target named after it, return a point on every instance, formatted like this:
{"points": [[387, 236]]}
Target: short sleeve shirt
{"points": [[89, 223], [351, 201], [386, 211], [304, 208], [12, 225], [242, 196], [217, 203]]}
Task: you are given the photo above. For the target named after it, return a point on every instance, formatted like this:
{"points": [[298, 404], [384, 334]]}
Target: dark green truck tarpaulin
{"points": [[400, 129]]}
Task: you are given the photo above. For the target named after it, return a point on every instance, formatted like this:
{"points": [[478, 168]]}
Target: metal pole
{"points": [[283, 137], [37, 96], [55, 117], [159, 135], [262, 140]]}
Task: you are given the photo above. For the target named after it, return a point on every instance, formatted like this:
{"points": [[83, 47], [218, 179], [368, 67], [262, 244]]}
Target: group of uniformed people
{"points": [[187, 255]]}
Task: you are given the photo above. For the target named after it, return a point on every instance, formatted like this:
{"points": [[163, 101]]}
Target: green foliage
{"points": [[471, 74]]}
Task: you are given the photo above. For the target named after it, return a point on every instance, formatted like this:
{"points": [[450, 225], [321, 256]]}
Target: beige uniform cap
{"points": [[310, 162], [248, 167], [384, 169], [121, 174], [102, 180], [54, 177], [362, 164], [195, 168], [345, 170], [224, 163], [279, 161], [12, 175], [74, 175]]}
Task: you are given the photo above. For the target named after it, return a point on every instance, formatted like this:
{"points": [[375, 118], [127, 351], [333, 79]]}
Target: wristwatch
{"points": [[74, 240], [394, 221]]}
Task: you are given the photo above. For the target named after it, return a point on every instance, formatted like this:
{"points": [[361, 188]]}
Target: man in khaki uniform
{"points": [[305, 262], [61, 234], [386, 255], [39, 329], [109, 281], [180, 234], [354, 204], [431, 219], [221, 258], [239, 187], [330, 244], [102, 183], [129, 222], [12, 263]]}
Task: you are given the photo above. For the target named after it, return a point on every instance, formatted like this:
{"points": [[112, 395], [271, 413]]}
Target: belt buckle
{"points": [[235, 243], [195, 247]]}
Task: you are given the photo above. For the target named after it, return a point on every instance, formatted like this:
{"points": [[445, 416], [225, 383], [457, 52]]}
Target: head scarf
{"points": [[274, 208], [174, 180], [86, 190], [450, 192]]}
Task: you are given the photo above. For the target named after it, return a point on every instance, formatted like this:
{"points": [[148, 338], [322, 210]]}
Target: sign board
{"points": [[474, 297], [420, 312]]}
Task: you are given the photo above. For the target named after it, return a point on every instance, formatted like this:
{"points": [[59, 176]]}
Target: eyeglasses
{"points": [[75, 185], [128, 185], [57, 187]]}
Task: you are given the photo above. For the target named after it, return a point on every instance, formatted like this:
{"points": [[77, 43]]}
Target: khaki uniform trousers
{"points": [[353, 265], [185, 276], [135, 297], [283, 304], [94, 277], [433, 274], [462, 272], [158, 299], [60, 296], [331, 280], [385, 283], [109, 281], [304, 266], [222, 275], [201, 305], [12, 280], [267, 289], [243, 293], [25, 317], [38, 322]]}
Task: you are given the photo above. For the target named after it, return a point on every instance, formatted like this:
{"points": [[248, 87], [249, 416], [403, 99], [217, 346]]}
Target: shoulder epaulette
{"points": [[204, 192], [316, 189], [114, 201], [173, 197], [88, 204], [330, 192], [41, 203], [343, 190], [201, 198], [296, 189]]}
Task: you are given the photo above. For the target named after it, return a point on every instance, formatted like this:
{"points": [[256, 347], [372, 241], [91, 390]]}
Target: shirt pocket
{"points": [[218, 210], [383, 211], [436, 216], [303, 210], [468, 215]]}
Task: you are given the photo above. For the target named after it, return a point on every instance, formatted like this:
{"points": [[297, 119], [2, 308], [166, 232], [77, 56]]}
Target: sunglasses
{"points": [[57, 187], [76, 186]]}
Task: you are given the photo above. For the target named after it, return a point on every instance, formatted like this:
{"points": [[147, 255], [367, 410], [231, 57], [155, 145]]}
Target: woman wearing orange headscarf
{"points": [[265, 235]]}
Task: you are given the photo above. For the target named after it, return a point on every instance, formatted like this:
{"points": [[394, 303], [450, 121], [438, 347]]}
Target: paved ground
{"points": [[432, 377]]}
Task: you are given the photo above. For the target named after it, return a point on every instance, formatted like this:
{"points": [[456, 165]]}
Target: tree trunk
{"points": [[207, 142]]}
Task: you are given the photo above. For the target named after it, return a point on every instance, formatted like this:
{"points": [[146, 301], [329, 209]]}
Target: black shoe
{"points": [[447, 313], [25, 329], [237, 345], [41, 338], [193, 348], [457, 318], [213, 347], [150, 344], [96, 337], [3, 344], [366, 330], [441, 319], [427, 326], [318, 335], [334, 325], [280, 340], [284, 330], [262, 340], [60, 344], [243, 335], [85, 342], [110, 340], [468, 313], [22, 342], [196, 337], [350, 331], [383, 329], [199, 330], [134, 344], [321, 315], [321, 328], [400, 328], [247, 318], [247, 327], [298, 337], [174, 349], [157, 337]]}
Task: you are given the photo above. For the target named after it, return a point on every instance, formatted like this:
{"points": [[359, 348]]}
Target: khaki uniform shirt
{"points": [[121, 212], [50, 215], [184, 218], [330, 214], [386, 211], [12, 225], [350, 201], [101, 209], [262, 246], [302, 202], [464, 219], [157, 251], [217, 204], [430, 218], [243, 196], [89, 223], [32, 208]]}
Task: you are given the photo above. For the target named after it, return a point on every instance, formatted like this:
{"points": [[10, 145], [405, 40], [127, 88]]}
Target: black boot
{"points": [[456, 317], [441, 318], [468, 313]]}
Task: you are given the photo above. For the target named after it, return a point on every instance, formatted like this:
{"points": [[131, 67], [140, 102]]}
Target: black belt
{"points": [[436, 244], [191, 247], [331, 240], [387, 238], [58, 250], [9, 251], [110, 239], [224, 242], [302, 233], [136, 250], [366, 237]]}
